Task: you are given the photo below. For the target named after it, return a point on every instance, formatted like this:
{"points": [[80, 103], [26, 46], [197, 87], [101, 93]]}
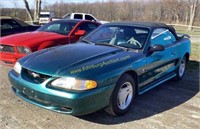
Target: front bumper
{"points": [[9, 59], [74, 103]]}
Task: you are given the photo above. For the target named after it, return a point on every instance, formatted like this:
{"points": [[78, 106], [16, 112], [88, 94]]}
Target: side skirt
{"points": [[156, 83]]}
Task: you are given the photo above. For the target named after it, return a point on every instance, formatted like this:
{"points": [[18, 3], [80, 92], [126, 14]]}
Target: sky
{"points": [[20, 3]]}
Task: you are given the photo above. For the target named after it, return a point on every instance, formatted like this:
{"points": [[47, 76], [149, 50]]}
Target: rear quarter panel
{"points": [[183, 47]]}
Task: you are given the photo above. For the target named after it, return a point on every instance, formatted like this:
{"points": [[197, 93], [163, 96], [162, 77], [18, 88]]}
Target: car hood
{"points": [[22, 39], [74, 59]]}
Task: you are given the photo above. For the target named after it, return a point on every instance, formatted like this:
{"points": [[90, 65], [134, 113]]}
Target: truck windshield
{"points": [[67, 16], [60, 27]]}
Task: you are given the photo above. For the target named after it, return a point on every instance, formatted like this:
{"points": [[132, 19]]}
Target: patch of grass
{"points": [[194, 62], [183, 30], [188, 32], [195, 49]]}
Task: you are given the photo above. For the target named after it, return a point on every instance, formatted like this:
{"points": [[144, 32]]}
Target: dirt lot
{"points": [[174, 104]]}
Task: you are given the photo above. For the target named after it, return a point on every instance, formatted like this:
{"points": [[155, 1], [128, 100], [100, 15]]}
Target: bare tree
{"points": [[175, 7], [170, 11], [16, 12], [28, 10], [162, 11], [37, 10], [111, 8], [193, 4]]}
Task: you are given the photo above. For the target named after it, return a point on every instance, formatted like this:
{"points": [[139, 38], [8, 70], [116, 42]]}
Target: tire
{"points": [[121, 103], [181, 69]]}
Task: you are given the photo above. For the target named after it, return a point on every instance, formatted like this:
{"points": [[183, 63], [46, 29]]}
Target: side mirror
{"points": [[156, 48], [80, 33]]}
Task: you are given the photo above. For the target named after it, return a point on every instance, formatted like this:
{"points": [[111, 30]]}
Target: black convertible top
{"points": [[152, 25]]}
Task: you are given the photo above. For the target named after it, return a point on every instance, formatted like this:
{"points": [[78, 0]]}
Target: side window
{"points": [[78, 16], [92, 26], [7, 24], [162, 36], [88, 27], [88, 17]]}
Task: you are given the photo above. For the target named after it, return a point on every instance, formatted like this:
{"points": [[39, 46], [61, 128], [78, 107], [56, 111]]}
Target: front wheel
{"points": [[122, 96], [181, 69]]}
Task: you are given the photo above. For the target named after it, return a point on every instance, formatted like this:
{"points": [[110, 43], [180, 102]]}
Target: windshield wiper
{"points": [[112, 45], [86, 41]]}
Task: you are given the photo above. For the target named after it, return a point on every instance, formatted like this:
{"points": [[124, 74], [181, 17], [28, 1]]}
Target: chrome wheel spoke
{"points": [[125, 95], [182, 68]]}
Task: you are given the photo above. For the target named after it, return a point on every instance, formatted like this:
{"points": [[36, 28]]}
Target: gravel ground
{"points": [[172, 105]]}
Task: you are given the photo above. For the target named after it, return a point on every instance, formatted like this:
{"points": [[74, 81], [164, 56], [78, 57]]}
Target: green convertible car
{"points": [[105, 69]]}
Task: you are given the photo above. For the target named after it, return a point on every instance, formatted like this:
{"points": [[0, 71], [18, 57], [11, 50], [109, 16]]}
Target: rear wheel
{"points": [[122, 96], [181, 69]]}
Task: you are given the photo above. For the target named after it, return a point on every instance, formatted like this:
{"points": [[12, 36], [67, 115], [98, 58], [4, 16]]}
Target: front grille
{"points": [[34, 76], [6, 48]]}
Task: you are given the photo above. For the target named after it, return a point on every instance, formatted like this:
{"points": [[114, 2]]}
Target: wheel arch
{"points": [[134, 76], [113, 107], [46, 45], [187, 55]]}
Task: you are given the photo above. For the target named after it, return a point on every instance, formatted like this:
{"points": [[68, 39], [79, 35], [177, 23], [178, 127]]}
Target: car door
{"points": [[160, 64]]}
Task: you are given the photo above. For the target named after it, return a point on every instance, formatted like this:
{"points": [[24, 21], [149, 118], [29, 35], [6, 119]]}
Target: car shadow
{"points": [[162, 98]]}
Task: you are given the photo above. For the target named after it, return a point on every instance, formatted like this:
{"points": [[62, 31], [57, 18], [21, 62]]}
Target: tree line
{"points": [[169, 11]]}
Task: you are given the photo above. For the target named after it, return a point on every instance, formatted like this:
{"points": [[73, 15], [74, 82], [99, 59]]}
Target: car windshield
{"points": [[60, 27], [119, 35]]}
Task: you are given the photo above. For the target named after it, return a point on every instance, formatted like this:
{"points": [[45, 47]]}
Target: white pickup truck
{"points": [[46, 17], [83, 16]]}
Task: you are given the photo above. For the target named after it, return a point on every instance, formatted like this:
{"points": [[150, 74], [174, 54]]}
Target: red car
{"points": [[55, 33]]}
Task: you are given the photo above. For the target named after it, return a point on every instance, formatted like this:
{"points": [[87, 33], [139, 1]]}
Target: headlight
{"points": [[17, 68], [23, 50], [72, 83]]}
